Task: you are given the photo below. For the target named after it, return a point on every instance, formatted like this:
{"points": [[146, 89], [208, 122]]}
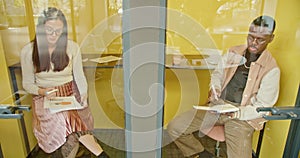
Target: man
{"points": [[247, 85]]}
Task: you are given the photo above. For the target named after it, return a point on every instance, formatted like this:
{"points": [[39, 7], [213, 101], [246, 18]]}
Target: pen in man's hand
{"points": [[215, 92]]}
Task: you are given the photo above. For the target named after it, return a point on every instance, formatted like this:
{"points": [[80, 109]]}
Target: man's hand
{"points": [[214, 96], [231, 115]]}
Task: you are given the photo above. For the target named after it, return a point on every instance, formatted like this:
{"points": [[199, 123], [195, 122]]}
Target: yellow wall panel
{"points": [[10, 136], [285, 49]]}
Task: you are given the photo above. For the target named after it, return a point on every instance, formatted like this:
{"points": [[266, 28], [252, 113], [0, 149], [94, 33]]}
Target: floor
{"points": [[112, 142]]}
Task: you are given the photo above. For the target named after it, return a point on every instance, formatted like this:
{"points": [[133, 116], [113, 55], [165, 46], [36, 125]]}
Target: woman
{"points": [[51, 62]]}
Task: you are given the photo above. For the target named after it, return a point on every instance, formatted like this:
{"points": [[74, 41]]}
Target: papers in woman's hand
{"points": [[57, 104], [224, 108]]}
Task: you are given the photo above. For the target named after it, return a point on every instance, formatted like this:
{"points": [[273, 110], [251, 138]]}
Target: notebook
{"points": [[224, 108]]}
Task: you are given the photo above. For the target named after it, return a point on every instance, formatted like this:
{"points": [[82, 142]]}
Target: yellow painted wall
{"points": [[286, 49], [10, 135]]}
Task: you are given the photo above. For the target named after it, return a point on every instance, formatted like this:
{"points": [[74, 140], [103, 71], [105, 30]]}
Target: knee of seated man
{"points": [[173, 129], [170, 127]]}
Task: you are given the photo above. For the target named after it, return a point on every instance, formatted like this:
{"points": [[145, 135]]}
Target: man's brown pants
{"points": [[238, 133]]}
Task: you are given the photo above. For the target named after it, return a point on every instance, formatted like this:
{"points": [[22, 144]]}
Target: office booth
{"points": [[146, 62]]}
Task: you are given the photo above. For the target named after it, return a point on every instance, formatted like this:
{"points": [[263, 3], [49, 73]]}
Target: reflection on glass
{"points": [[12, 13], [3, 17], [234, 15], [65, 5]]}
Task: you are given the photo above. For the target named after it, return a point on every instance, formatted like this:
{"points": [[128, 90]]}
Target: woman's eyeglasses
{"points": [[50, 31]]}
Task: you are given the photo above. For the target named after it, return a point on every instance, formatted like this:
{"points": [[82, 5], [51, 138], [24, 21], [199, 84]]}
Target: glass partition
{"points": [[200, 32], [197, 34]]}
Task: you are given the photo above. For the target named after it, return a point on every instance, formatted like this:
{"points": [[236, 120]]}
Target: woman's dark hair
{"points": [[265, 21], [40, 55]]}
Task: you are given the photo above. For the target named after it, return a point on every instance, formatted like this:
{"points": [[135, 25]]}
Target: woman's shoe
{"points": [[91, 144]]}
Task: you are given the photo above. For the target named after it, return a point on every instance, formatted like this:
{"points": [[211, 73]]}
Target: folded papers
{"points": [[58, 104]]}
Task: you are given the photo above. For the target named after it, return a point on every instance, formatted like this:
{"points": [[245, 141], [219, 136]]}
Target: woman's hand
{"points": [[84, 100], [47, 92]]}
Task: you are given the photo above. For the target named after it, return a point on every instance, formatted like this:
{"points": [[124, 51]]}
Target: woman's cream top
{"points": [[32, 81]]}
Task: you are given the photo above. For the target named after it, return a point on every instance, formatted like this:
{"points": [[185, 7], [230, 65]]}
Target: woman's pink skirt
{"points": [[51, 129]]}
